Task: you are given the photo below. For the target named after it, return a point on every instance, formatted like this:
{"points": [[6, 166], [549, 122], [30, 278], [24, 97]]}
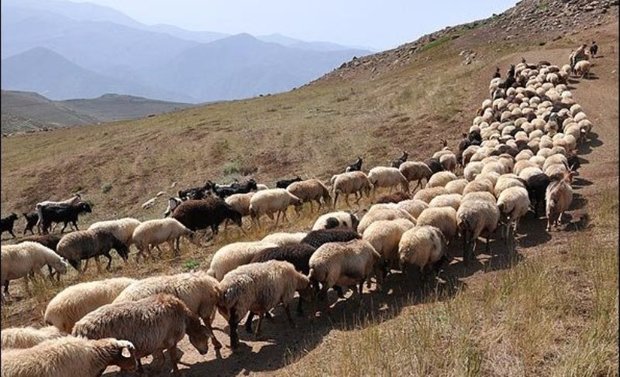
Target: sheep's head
{"points": [[305, 289], [198, 335], [124, 355]]}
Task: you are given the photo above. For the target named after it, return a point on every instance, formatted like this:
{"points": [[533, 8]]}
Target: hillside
{"points": [[550, 309], [24, 111]]}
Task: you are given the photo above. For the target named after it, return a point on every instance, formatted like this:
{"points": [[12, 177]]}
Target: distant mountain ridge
{"points": [[80, 50]]}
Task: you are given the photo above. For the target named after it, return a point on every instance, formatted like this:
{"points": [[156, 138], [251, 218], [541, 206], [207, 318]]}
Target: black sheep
{"points": [[31, 221], [434, 164], [6, 224], [400, 160], [284, 183], [356, 166], [66, 213], [536, 189], [48, 240], [209, 212], [319, 237]]}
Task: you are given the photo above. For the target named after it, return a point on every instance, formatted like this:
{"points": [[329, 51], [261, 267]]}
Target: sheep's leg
{"points": [[172, 351], [287, 310], [216, 343], [248, 322], [285, 217], [158, 360], [300, 311], [63, 228], [109, 266], [232, 328], [335, 200], [85, 266], [172, 248]]}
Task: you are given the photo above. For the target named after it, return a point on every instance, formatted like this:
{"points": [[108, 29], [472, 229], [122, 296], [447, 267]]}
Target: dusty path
{"points": [[599, 98]]}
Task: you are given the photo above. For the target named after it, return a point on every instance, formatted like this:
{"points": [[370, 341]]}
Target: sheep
{"points": [[415, 171], [413, 207], [473, 217], [513, 203], [86, 244], [457, 186], [335, 220], [440, 179], [506, 181], [394, 197], [377, 212], [399, 161], [31, 221], [75, 199], [26, 259], [477, 184], [355, 182], [558, 196], [75, 301], [384, 236], [422, 246], [344, 264], [443, 218], [427, 194], [316, 238], [448, 161], [26, 337], [446, 200], [235, 254], [284, 183], [151, 324], [259, 287], [536, 185], [582, 68], [199, 291], [472, 170], [122, 229], [384, 176], [47, 240], [311, 190], [65, 214], [268, 202], [282, 239], [68, 356], [209, 212], [6, 224], [173, 202], [152, 233], [235, 188], [240, 202]]}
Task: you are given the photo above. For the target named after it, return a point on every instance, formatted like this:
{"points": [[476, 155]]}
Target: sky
{"points": [[376, 24]]}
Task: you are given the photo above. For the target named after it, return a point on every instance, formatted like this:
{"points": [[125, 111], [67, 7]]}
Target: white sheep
{"points": [[240, 202], [582, 68], [384, 236], [472, 170], [355, 182], [152, 324], [506, 181], [447, 200], [415, 171], [152, 233], [457, 186], [413, 206], [336, 220], [75, 301], [558, 197], [68, 356], [121, 228], [385, 176], [26, 259], [422, 246], [199, 291], [513, 203], [270, 201], [233, 255], [440, 179], [448, 161], [443, 218], [479, 184], [384, 211], [26, 337], [473, 217], [311, 190], [283, 238], [427, 194]]}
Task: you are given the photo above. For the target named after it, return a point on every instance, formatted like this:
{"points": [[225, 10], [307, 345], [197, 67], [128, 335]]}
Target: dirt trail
{"points": [[598, 97]]}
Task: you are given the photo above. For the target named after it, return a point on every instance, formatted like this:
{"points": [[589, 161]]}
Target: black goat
{"points": [[6, 224], [284, 183], [319, 237], [356, 166], [235, 188], [434, 164], [32, 218], [196, 193], [399, 161], [66, 213]]}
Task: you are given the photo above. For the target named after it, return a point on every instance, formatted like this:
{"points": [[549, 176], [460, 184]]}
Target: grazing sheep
{"points": [[558, 196], [122, 229], [422, 246], [151, 324], [209, 212], [26, 259], [415, 171], [336, 219], [152, 233], [47, 240], [233, 255], [197, 290], [343, 265], [473, 217], [75, 301], [443, 218], [355, 182], [86, 244], [259, 287], [384, 176], [284, 183], [457, 186], [311, 190], [65, 214], [479, 184], [513, 203], [506, 181], [26, 337], [268, 202], [68, 356], [582, 68], [413, 207], [447, 200], [394, 197], [427, 194], [282, 239], [440, 179], [31, 221], [6, 224], [316, 238], [384, 236], [378, 212]]}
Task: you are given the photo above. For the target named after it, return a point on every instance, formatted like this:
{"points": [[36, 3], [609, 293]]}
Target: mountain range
{"points": [[65, 50]]}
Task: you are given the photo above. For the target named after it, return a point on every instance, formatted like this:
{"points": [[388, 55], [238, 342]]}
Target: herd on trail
{"points": [[518, 156]]}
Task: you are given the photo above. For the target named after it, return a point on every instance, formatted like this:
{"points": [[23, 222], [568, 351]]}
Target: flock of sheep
{"points": [[518, 155]]}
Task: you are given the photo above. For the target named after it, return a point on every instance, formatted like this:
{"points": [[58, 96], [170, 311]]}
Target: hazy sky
{"points": [[372, 23]]}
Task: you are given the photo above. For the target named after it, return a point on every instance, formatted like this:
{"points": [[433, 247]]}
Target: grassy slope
{"points": [[555, 313]]}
